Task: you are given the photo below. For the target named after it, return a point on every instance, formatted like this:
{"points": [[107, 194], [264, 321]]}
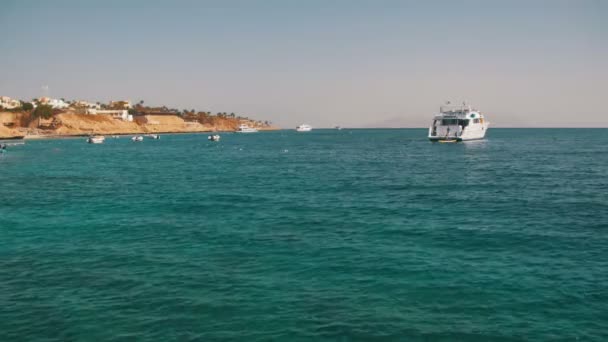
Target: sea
{"points": [[330, 235]]}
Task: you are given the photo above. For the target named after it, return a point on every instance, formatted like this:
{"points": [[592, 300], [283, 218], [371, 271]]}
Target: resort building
{"points": [[8, 103], [55, 103], [85, 104], [123, 104], [120, 114]]}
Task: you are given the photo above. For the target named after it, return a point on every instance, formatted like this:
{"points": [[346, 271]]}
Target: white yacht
{"points": [[304, 128], [215, 137], [246, 129], [96, 139], [458, 123], [137, 138]]}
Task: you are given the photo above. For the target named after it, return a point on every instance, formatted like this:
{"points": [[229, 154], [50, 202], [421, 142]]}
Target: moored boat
{"points": [[245, 129], [96, 139], [137, 138], [215, 137], [458, 123], [304, 128]]}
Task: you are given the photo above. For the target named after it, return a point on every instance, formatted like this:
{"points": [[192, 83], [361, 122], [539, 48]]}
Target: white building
{"points": [[121, 114], [55, 103], [8, 103]]}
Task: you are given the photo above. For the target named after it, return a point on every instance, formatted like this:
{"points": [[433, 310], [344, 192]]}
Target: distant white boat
{"points": [[338, 128], [458, 123], [96, 139], [215, 137], [137, 138], [246, 129], [304, 128], [153, 136]]}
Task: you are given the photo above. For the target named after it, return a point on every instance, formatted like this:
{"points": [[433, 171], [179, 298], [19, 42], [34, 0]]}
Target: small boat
{"points": [[215, 137], [458, 123], [137, 138], [153, 136], [338, 128], [96, 139], [304, 128], [245, 129]]}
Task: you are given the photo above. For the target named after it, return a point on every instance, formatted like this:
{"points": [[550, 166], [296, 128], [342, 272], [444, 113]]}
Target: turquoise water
{"points": [[352, 235]]}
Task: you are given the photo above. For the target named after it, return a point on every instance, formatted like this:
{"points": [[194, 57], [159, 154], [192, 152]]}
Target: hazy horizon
{"points": [[348, 63]]}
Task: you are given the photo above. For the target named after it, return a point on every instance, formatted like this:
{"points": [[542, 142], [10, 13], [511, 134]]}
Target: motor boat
{"points": [[215, 137], [245, 129], [458, 123], [137, 138], [153, 136], [96, 139], [304, 128]]}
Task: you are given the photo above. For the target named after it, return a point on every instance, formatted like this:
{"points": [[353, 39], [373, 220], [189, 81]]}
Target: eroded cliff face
{"points": [[83, 124], [10, 133]]}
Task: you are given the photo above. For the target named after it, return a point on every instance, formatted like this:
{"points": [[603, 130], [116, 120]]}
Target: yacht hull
{"points": [[443, 133]]}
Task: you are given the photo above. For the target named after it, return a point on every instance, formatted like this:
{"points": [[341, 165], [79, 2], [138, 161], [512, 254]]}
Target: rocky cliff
{"points": [[66, 124]]}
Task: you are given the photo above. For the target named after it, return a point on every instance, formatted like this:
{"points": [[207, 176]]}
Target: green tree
{"points": [[27, 106], [42, 112]]}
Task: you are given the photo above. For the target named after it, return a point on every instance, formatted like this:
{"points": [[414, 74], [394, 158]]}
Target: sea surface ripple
{"points": [[350, 235]]}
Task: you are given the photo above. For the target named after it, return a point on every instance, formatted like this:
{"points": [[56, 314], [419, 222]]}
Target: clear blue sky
{"points": [[347, 62]]}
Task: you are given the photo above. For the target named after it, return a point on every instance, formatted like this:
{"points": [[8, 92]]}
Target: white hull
{"points": [[456, 133], [246, 129], [303, 128], [96, 140]]}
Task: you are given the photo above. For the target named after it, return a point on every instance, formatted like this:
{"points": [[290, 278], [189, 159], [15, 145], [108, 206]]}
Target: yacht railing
{"points": [[455, 109]]}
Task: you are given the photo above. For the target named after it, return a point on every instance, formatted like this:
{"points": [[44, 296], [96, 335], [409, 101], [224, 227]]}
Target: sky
{"points": [[376, 63]]}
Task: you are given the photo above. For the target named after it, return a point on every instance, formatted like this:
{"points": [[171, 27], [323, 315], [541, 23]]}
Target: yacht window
{"points": [[446, 122]]}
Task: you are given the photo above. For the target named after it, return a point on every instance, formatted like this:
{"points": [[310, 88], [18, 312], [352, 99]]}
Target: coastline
{"points": [[82, 125], [123, 134]]}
